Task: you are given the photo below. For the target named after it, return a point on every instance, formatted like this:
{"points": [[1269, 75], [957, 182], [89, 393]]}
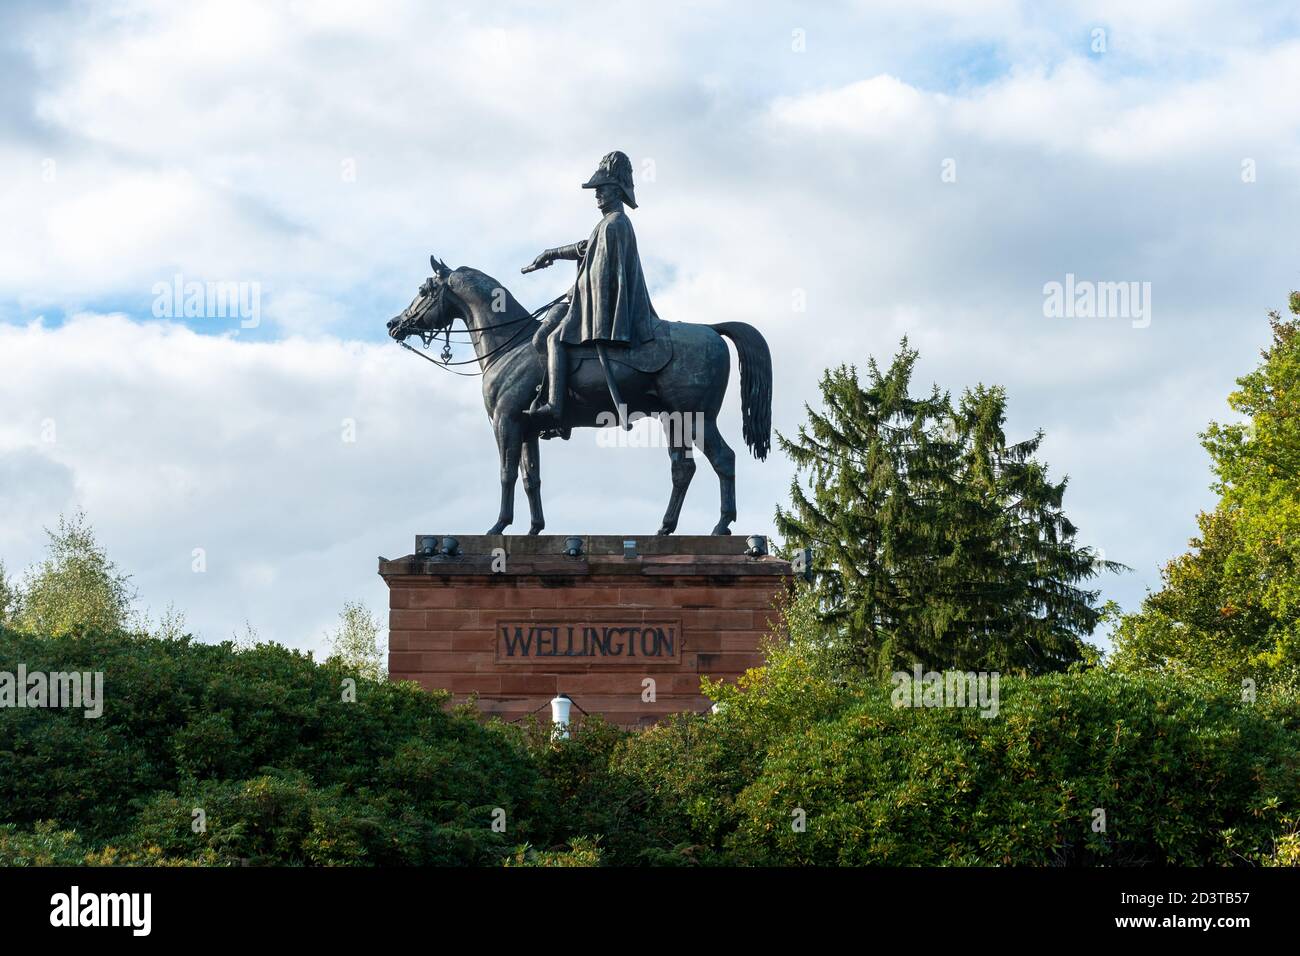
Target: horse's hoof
{"points": [[497, 528], [536, 529], [721, 528], [665, 530]]}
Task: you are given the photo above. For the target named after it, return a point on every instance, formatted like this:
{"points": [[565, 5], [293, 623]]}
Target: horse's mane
{"points": [[470, 281]]}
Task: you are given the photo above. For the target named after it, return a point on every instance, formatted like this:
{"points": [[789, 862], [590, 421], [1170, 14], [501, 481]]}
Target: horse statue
{"points": [[680, 379]]}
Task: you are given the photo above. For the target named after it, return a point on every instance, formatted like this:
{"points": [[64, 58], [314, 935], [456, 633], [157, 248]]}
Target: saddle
{"points": [[647, 357]]}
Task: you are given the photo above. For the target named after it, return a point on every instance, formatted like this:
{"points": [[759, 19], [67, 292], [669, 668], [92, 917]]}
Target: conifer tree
{"points": [[936, 542]]}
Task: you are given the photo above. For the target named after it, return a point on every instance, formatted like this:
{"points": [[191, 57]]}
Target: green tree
{"points": [[75, 586], [869, 455], [356, 641], [1230, 606], [936, 541], [1010, 597]]}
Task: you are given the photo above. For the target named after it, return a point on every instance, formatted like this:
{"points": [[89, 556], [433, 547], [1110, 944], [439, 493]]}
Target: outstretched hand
{"points": [[541, 262]]}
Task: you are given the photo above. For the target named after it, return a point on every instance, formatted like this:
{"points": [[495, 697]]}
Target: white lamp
{"points": [[560, 706]]}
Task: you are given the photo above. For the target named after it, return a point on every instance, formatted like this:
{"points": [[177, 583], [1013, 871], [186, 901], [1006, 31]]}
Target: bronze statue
{"points": [[599, 343], [609, 304]]}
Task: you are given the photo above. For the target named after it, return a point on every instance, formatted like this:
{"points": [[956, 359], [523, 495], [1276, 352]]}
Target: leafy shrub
{"points": [[43, 845], [582, 851], [262, 739], [696, 765], [288, 772], [1184, 771]]}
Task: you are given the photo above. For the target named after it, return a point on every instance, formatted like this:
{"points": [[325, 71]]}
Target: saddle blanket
{"points": [[648, 357]]}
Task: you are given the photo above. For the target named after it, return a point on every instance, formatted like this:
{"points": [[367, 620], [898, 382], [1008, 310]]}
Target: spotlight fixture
{"points": [[573, 546], [756, 545], [450, 546]]}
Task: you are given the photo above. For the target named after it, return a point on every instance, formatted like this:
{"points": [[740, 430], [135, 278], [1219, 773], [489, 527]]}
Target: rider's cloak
{"points": [[610, 302]]}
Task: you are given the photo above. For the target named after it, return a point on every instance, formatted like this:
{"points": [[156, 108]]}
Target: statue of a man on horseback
{"points": [[602, 339], [609, 305]]}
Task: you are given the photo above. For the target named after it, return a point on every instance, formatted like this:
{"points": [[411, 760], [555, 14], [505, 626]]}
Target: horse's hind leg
{"points": [[679, 453], [723, 460], [532, 466]]}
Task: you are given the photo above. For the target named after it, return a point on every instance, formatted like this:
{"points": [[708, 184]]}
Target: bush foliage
{"points": [[264, 743], [286, 771]]}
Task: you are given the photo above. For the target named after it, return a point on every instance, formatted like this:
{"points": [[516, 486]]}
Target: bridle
{"points": [[429, 335]]}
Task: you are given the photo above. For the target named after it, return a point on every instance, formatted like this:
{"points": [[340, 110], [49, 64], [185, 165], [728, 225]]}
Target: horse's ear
{"points": [[439, 267]]}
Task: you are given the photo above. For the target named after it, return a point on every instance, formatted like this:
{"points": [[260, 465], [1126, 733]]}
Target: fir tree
{"points": [[936, 542]]}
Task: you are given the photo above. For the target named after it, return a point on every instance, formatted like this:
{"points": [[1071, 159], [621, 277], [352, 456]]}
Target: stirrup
{"points": [[543, 414]]}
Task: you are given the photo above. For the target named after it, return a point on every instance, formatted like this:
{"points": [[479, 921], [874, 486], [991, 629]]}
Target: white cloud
{"points": [[882, 107], [173, 441], [1076, 105]]}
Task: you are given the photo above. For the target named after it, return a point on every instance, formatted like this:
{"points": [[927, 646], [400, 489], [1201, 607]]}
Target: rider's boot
{"points": [[552, 413]]}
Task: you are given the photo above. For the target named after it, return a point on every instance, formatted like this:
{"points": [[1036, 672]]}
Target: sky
{"points": [[839, 176]]}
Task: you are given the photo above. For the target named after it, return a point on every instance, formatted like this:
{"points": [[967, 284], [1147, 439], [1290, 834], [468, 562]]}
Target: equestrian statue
{"points": [[599, 356]]}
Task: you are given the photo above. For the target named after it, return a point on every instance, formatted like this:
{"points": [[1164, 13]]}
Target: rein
{"points": [[428, 336]]}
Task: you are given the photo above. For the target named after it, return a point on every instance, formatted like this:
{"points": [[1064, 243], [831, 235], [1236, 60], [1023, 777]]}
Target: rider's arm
{"points": [[574, 250]]}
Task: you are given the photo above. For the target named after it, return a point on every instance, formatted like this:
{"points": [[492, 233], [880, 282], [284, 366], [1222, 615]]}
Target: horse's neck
{"points": [[492, 331]]}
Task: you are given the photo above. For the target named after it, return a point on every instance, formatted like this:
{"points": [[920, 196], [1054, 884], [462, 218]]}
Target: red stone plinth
{"points": [[515, 621]]}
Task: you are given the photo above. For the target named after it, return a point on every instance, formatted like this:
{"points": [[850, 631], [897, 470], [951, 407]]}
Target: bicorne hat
{"points": [[615, 168]]}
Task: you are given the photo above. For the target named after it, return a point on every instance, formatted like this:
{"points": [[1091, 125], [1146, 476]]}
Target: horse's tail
{"points": [[755, 384]]}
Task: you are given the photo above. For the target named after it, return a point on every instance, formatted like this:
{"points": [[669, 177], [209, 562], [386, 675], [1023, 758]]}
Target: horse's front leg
{"points": [[533, 484], [509, 448]]}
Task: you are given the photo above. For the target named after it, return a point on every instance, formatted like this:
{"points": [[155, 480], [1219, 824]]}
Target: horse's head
{"points": [[430, 311]]}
